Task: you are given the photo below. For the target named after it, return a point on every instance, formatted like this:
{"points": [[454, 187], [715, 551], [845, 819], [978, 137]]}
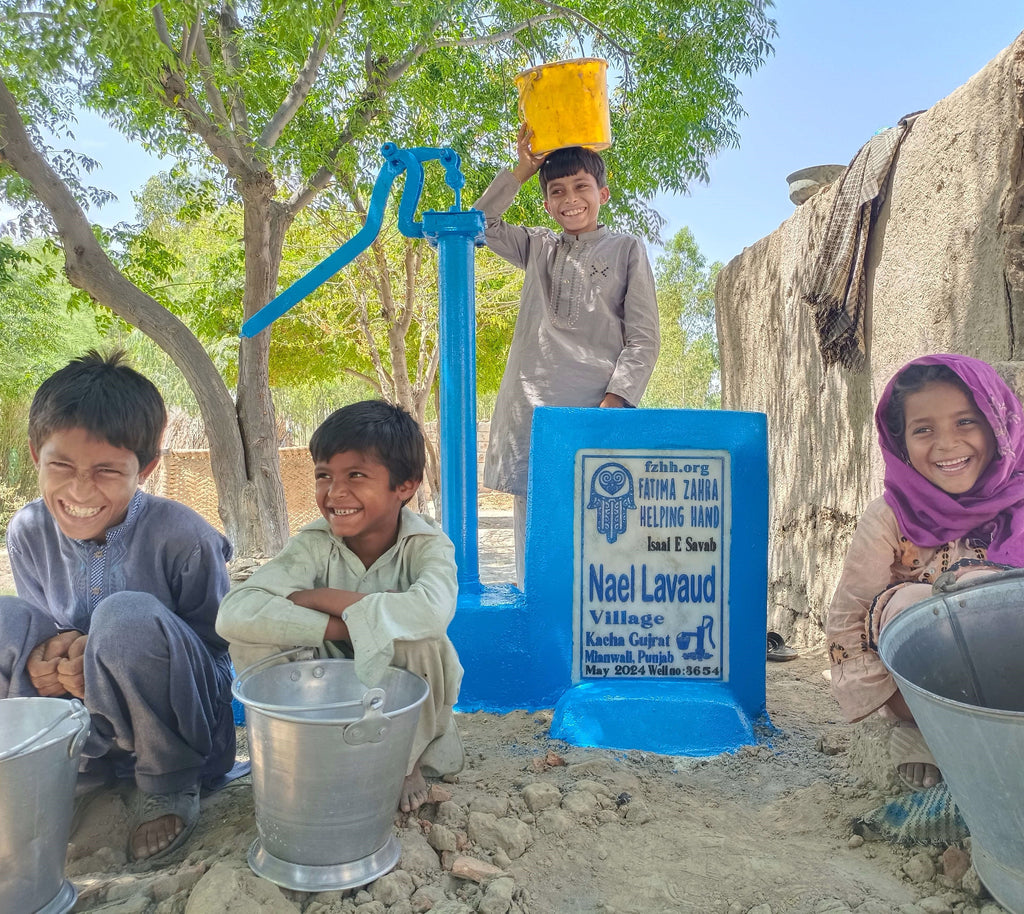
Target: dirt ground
{"points": [[535, 826]]}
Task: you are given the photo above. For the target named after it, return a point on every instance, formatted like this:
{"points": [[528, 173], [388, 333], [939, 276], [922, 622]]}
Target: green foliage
{"points": [[41, 333], [17, 472], [188, 255], [264, 151], [41, 329], [687, 372], [425, 73]]}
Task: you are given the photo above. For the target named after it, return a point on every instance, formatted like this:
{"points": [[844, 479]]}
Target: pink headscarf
{"points": [[992, 512]]}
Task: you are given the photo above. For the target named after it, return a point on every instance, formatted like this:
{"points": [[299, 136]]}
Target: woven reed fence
{"points": [[186, 476]]}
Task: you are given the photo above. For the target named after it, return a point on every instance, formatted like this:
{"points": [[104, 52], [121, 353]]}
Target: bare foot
{"points": [[152, 837], [919, 774], [414, 791]]}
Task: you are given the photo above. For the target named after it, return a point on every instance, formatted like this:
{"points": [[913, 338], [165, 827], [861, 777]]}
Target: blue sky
{"points": [[841, 71]]}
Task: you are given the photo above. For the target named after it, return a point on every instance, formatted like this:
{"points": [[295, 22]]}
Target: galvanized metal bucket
{"points": [[958, 658], [41, 742], [328, 760]]}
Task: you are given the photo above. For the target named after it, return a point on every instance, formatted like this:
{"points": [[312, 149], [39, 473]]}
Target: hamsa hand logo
{"points": [[611, 496]]}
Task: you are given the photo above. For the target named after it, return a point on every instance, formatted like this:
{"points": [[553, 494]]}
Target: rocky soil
{"points": [[535, 826]]}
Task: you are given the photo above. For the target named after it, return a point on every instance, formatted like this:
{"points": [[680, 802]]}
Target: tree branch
{"points": [[300, 89], [89, 268], [188, 43], [573, 14], [363, 376], [224, 144], [384, 379], [558, 12], [365, 110], [494, 38], [229, 26], [220, 140], [212, 90], [161, 27]]}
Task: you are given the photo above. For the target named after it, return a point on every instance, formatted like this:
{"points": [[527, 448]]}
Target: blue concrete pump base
{"points": [[697, 720]]}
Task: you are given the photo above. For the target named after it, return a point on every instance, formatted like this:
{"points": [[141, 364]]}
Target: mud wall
{"points": [[945, 274]]}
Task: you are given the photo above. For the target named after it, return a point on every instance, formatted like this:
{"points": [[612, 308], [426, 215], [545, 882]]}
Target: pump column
{"points": [[456, 234]]}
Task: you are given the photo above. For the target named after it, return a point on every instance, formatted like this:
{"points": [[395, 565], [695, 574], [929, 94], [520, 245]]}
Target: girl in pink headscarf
{"points": [[952, 438]]}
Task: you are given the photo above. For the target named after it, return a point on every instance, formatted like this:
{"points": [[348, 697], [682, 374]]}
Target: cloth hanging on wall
{"points": [[837, 286]]}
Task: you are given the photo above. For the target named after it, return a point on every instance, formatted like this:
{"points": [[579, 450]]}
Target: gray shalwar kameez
{"points": [[157, 675], [587, 326]]}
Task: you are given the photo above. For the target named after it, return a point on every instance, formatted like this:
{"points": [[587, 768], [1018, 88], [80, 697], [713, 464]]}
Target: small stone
{"points": [[371, 907], [498, 896], [501, 859], [442, 838], [452, 815], [919, 868], [438, 794], [638, 813], [495, 806], [580, 803], [167, 884], [829, 745], [855, 841], [394, 887], [230, 889], [971, 884], [417, 855], [955, 863], [125, 887], [507, 834], [426, 897], [135, 904], [549, 760], [451, 906], [541, 795], [475, 870], [554, 822], [591, 768], [933, 904]]}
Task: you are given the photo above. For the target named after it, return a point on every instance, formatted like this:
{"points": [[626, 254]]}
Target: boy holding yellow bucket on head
{"points": [[587, 329]]}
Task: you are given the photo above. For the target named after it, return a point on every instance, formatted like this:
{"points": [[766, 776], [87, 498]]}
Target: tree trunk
{"points": [[264, 507], [243, 443]]}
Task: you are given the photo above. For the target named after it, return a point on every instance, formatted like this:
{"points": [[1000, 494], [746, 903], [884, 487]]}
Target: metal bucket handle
{"points": [[947, 583], [370, 728], [76, 710]]}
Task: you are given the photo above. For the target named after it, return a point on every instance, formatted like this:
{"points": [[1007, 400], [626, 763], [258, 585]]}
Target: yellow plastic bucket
{"points": [[566, 104]]}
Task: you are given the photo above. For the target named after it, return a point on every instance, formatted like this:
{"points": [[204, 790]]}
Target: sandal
{"points": [[151, 806], [907, 747], [778, 649]]}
